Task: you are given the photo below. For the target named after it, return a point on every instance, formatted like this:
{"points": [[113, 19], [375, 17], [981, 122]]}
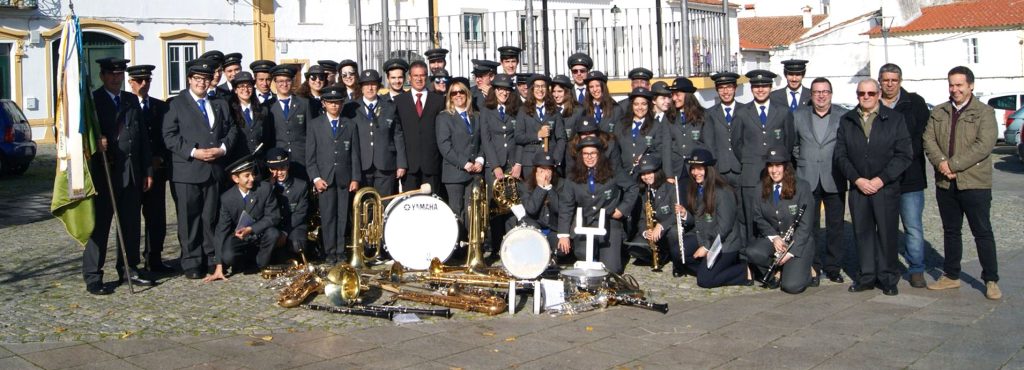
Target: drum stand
{"points": [[590, 232]]}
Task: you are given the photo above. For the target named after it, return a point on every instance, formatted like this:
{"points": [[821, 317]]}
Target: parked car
{"points": [[1020, 145], [17, 150], [1012, 133], [1005, 104]]}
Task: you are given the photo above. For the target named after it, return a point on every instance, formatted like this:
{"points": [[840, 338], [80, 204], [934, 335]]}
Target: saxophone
{"points": [[649, 217], [303, 285], [483, 303]]}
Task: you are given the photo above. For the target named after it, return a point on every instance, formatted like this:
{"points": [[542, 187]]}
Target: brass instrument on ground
{"points": [[313, 234], [651, 222], [343, 286], [490, 305], [275, 271], [505, 192], [302, 286], [477, 219], [368, 223]]}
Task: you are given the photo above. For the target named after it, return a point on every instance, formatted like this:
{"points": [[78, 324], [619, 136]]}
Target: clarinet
{"points": [[679, 223], [350, 311], [628, 300], [445, 313], [787, 238]]}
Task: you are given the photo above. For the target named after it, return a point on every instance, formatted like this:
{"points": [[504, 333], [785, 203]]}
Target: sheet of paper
{"points": [[715, 250]]}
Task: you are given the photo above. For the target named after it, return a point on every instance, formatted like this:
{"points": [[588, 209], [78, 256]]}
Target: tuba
{"points": [[477, 219], [368, 223], [506, 194]]}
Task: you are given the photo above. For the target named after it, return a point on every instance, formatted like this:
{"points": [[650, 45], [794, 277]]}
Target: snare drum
{"points": [[419, 228], [525, 252]]}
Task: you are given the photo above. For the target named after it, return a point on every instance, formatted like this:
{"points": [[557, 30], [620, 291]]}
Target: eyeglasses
{"points": [[589, 154], [198, 78], [868, 93], [578, 71], [348, 74], [458, 92], [821, 92], [243, 87]]}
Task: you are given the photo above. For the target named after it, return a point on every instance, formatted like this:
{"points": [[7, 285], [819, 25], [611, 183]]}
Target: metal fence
{"points": [[617, 39]]}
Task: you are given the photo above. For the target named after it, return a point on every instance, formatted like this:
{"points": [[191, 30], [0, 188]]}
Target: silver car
{"points": [[1015, 121]]}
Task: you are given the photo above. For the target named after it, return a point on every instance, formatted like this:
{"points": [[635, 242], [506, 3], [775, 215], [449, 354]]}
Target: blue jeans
{"points": [[911, 207]]}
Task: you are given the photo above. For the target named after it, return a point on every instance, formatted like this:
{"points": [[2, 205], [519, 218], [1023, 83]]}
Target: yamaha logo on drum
{"points": [[419, 207]]}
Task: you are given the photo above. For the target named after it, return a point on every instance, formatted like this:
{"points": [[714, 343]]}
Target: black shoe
{"points": [[834, 276], [137, 279], [857, 288], [677, 273], [748, 283], [158, 267], [815, 281], [890, 290], [193, 274], [97, 289]]}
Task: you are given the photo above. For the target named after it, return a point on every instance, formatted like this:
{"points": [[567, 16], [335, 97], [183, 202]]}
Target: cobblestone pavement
{"points": [[49, 320]]}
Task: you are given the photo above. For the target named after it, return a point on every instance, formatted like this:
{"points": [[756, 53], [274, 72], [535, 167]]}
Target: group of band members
{"points": [[252, 159]]}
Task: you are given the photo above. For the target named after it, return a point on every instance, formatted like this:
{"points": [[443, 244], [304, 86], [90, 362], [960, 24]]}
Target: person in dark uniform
{"points": [[522, 81], [292, 201], [348, 71], [794, 95], [417, 112], [872, 150], [330, 68], [711, 210], [583, 130], [568, 107], [580, 65], [253, 119], [394, 70], [125, 141], [498, 124], [291, 114], [316, 79], [335, 167], [217, 57], [458, 140], [200, 133], [261, 72], [639, 134], [782, 196], [539, 119], [593, 186], [598, 106], [232, 65], [154, 201], [661, 195], [483, 74], [248, 218], [381, 140], [509, 58], [720, 117], [539, 197], [638, 77], [439, 82], [436, 59], [688, 124], [760, 125]]}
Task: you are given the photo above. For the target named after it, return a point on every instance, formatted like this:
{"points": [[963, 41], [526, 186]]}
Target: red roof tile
{"points": [[768, 32], [964, 14]]}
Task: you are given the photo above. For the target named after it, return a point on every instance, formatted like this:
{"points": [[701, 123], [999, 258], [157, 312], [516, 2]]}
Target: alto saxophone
{"points": [[302, 286], [651, 223]]}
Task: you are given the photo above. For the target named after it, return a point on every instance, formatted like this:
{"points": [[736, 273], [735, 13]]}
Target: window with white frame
{"points": [[178, 53], [581, 34], [972, 50], [353, 12], [918, 53], [310, 11], [473, 27]]}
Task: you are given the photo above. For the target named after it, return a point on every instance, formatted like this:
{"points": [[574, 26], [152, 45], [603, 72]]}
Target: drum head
{"points": [[418, 229], [525, 252]]}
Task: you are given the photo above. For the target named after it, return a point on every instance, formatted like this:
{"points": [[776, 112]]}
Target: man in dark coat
{"points": [[292, 200], [417, 112], [381, 140], [794, 95], [291, 115]]}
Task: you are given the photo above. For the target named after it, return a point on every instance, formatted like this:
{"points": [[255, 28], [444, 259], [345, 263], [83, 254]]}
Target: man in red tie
{"points": [[417, 109]]}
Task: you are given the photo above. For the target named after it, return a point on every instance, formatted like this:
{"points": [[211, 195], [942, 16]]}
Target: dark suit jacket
{"points": [[527, 126], [653, 139], [915, 113], [457, 145], [497, 139], [127, 139], [290, 132], [420, 132], [153, 119], [722, 223], [293, 203], [886, 154], [260, 132], [721, 143], [772, 219], [814, 156], [618, 192], [382, 141], [752, 142], [664, 207], [684, 138], [262, 207], [542, 207], [333, 157], [781, 96], [185, 128]]}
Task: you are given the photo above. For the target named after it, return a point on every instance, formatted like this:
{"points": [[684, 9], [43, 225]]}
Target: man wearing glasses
{"points": [[815, 144], [579, 65], [198, 132], [872, 151], [291, 113]]}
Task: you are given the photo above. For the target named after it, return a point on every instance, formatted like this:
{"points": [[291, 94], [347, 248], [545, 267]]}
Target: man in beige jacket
{"points": [[958, 142]]}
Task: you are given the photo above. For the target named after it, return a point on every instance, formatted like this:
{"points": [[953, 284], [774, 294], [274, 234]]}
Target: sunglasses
{"points": [[458, 92], [348, 74], [441, 80], [868, 93], [577, 71], [317, 77]]}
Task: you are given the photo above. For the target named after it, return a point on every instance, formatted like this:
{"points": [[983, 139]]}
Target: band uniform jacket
{"points": [[617, 192], [542, 206], [772, 219], [127, 140], [420, 132], [781, 96], [457, 145], [316, 106], [720, 140], [185, 128], [261, 206], [293, 202], [333, 157], [652, 139], [382, 140], [610, 118], [569, 124], [497, 140], [886, 154], [664, 207], [706, 227], [259, 132], [611, 152], [813, 155], [153, 119], [290, 132], [751, 141], [684, 137], [526, 135]]}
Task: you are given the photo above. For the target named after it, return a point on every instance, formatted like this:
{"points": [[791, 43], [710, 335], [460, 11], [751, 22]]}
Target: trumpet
{"points": [[368, 223]]}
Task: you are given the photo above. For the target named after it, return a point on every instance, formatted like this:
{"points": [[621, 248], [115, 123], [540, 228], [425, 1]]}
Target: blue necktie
{"points": [[501, 112], [287, 107], [763, 116], [465, 118], [540, 113], [636, 128], [248, 117], [202, 108], [728, 116], [597, 113], [777, 194], [245, 200], [369, 111], [211, 93], [265, 96], [145, 105], [117, 103], [590, 180], [579, 98], [700, 190], [334, 127], [792, 104]]}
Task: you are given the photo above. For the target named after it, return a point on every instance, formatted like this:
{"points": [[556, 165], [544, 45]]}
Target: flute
{"points": [[679, 223]]}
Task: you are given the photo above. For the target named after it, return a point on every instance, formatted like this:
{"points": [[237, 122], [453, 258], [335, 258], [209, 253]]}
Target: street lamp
{"points": [[615, 39]]}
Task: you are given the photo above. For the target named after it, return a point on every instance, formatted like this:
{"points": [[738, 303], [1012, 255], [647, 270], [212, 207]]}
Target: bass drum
{"points": [[525, 252], [419, 228]]}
